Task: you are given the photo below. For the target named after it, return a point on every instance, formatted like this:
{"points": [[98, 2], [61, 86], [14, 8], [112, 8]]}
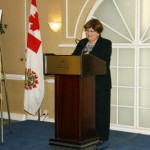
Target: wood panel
{"points": [[75, 107]]}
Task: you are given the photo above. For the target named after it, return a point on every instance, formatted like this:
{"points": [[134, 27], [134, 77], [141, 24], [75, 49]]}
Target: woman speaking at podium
{"points": [[102, 48]]}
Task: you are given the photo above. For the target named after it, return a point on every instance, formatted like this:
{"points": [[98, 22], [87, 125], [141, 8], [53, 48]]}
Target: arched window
{"points": [[127, 25]]}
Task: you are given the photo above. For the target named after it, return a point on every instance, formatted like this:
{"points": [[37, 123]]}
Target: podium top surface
{"points": [[84, 65]]}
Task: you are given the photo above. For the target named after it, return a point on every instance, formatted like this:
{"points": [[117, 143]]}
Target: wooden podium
{"points": [[74, 99]]}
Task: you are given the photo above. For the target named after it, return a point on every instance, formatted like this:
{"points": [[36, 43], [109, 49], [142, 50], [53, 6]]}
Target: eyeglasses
{"points": [[90, 31]]}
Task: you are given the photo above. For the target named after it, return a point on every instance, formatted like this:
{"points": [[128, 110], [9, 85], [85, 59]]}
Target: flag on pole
{"points": [[34, 78]]}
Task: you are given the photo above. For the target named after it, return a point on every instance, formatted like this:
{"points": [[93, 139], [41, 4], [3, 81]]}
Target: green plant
{"points": [[2, 28]]}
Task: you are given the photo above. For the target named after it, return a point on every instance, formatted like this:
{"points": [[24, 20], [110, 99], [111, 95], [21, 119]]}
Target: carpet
{"points": [[28, 135], [35, 135], [126, 141]]}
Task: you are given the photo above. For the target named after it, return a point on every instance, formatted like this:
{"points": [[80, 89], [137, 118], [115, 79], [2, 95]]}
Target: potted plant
{"points": [[2, 28], [2, 31]]}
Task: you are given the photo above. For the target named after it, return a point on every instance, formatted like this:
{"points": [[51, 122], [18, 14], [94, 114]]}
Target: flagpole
{"points": [[25, 24], [39, 114]]}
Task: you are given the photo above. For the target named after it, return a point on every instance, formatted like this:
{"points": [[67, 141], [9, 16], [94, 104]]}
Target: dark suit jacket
{"points": [[103, 50]]}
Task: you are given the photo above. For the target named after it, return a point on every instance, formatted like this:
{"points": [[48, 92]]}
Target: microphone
{"points": [[84, 51]]}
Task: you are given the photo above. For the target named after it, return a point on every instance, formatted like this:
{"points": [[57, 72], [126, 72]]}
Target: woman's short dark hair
{"points": [[95, 24]]}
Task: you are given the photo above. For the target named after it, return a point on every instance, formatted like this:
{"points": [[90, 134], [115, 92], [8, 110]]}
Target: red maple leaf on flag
{"points": [[34, 22], [33, 42]]}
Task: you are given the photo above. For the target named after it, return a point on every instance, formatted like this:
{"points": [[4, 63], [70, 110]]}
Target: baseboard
{"points": [[22, 117], [42, 118], [130, 129], [14, 116]]}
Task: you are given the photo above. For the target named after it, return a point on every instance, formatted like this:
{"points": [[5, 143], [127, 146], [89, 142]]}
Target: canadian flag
{"points": [[34, 78]]}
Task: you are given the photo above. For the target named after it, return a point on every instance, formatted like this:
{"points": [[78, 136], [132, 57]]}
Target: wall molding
{"points": [[22, 77], [14, 77], [67, 45], [77, 22]]}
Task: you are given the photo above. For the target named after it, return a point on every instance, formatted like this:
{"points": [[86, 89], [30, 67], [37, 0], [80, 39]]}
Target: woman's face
{"points": [[91, 35]]}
